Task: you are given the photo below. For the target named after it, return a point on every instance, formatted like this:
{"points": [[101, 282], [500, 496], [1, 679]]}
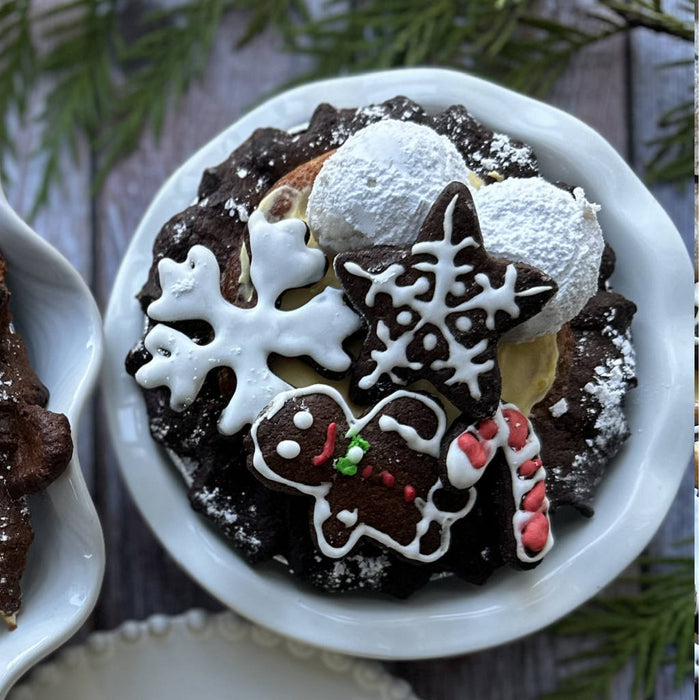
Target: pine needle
{"points": [[18, 70], [649, 630], [106, 86], [79, 64]]}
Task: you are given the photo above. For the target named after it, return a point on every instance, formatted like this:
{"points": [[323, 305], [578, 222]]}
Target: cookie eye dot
{"points": [[404, 317], [288, 449], [303, 420]]}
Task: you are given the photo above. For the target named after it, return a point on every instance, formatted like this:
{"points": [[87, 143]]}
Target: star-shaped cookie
{"points": [[436, 310]]}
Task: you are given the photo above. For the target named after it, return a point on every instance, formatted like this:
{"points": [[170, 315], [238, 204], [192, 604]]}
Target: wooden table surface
{"points": [[615, 87]]}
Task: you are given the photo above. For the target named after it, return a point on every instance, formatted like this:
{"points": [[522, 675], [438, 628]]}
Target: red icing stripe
{"points": [[387, 479], [473, 449], [328, 447], [536, 532], [488, 428], [517, 425], [529, 467], [533, 499], [409, 494]]}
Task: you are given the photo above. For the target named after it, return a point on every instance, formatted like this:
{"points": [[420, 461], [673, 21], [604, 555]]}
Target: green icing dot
{"points": [[345, 466], [358, 441]]}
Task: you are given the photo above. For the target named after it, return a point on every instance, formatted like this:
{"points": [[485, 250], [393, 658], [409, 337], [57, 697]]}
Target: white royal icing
{"points": [[410, 436], [404, 317], [430, 513], [435, 311], [288, 449], [355, 454], [430, 341], [348, 517], [303, 420], [461, 474], [245, 337]]}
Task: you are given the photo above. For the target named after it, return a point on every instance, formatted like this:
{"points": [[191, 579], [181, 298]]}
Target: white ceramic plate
{"points": [[216, 657], [55, 313], [447, 617]]}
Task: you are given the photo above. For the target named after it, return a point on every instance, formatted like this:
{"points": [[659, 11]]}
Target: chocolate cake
{"points": [[35, 448], [410, 384]]}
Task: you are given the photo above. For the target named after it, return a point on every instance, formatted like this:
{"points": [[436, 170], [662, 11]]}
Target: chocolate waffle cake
{"points": [[383, 349]]}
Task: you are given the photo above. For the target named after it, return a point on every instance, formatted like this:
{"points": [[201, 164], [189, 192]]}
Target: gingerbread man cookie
{"points": [[376, 477]]}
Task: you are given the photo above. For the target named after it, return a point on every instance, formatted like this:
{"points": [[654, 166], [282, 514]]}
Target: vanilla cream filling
{"points": [[528, 369]]}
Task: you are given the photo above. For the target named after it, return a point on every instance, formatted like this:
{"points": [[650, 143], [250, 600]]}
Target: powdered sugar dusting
{"points": [[559, 408], [354, 571], [378, 187], [233, 207], [533, 221], [503, 150], [608, 388]]}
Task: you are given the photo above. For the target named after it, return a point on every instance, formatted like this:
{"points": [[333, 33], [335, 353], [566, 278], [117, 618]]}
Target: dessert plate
{"points": [[448, 616], [220, 655], [57, 316]]}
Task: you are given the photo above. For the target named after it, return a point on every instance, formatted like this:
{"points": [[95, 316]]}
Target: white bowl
{"points": [[58, 319], [178, 657], [447, 617]]}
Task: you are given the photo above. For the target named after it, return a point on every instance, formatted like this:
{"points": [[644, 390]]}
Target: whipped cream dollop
{"points": [[533, 221], [380, 184]]}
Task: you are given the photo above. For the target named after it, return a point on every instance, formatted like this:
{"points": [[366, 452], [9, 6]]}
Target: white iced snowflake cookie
{"points": [[245, 337], [377, 188], [533, 221]]}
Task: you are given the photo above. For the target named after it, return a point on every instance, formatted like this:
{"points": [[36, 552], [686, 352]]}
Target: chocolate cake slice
{"points": [[35, 448]]}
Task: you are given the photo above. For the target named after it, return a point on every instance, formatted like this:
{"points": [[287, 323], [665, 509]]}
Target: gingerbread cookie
{"points": [[515, 480], [436, 310], [375, 477]]}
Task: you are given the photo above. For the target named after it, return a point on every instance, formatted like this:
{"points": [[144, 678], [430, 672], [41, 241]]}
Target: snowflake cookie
{"points": [[245, 337], [436, 309]]}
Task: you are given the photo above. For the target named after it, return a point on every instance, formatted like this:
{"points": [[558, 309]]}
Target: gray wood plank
{"points": [[655, 90], [141, 578]]}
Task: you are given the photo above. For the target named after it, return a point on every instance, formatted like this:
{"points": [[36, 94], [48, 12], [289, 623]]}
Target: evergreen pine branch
{"points": [[280, 14], [18, 70], [171, 52], [650, 15], [505, 40], [649, 630], [673, 158], [79, 64], [105, 88]]}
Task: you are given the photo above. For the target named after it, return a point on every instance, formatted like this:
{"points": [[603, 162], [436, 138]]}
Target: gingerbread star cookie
{"points": [[436, 310]]}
